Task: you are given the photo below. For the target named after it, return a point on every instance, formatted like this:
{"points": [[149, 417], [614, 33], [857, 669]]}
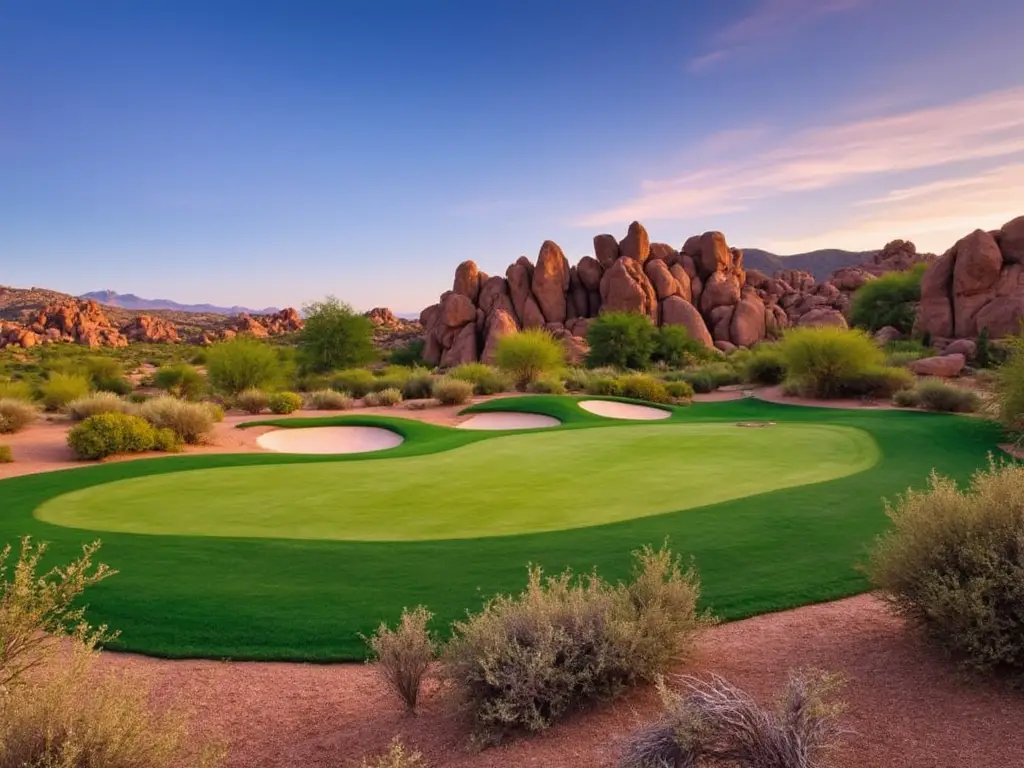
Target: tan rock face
{"points": [[501, 324], [823, 316], [714, 255], [935, 311], [975, 275], [382, 317], [662, 279], [457, 310]]}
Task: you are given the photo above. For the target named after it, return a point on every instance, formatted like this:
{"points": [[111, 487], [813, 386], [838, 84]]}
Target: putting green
{"points": [[507, 485]]}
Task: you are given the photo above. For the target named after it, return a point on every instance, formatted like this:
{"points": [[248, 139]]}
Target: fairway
{"points": [[506, 485]]}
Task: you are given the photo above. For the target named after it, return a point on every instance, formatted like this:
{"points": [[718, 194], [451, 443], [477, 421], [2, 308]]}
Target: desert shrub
{"points": [[952, 563], [607, 386], [392, 377], [15, 390], [251, 400], [334, 336], [641, 387], [15, 415], [215, 410], [452, 391], [358, 382], [166, 440], [411, 354], [243, 363], [110, 433], [527, 354], [61, 388], [191, 422], [674, 347], [403, 655], [903, 352], [524, 661], [826, 362], [1010, 390], [105, 374], [547, 384], [387, 398], [707, 378], [577, 379], [6, 454], [486, 379], [714, 723], [284, 402], [764, 365], [397, 756], [328, 400], [983, 357], [419, 385], [906, 398], [935, 395], [621, 339], [679, 390], [97, 403], [888, 300], [181, 380], [880, 381]]}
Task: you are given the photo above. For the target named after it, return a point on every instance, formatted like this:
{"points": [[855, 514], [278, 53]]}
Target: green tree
{"points": [[528, 354], [334, 336], [243, 363], [621, 339], [888, 300]]}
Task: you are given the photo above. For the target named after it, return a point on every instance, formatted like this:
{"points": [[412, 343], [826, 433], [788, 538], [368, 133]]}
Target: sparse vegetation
{"points": [[411, 354], [15, 390], [252, 401], [243, 363], [181, 380], [764, 365], [284, 402], [679, 391], [404, 654], [936, 395], [674, 347], [15, 415], [397, 756], [61, 388], [387, 398], [111, 433], [452, 391], [606, 386], [97, 403], [1010, 390], [191, 422], [527, 354], [6, 454], [624, 340], [328, 400]]}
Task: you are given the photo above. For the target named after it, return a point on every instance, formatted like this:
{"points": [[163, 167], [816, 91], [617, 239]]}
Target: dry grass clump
{"points": [[191, 422], [953, 564], [935, 395], [486, 379], [6, 454], [525, 661], [15, 415], [82, 408], [328, 400], [387, 398], [252, 401], [546, 384], [396, 757], [452, 391], [714, 723], [419, 385], [284, 402], [404, 654]]}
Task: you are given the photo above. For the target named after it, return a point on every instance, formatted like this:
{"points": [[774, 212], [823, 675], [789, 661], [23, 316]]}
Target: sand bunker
{"points": [[329, 440], [508, 420], [613, 410]]}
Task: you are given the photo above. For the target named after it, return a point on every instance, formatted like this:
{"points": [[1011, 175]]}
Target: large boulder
{"points": [[606, 249], [976, 272], [720, 289], [662, 279], [463, 348], [590, 270], [946, 366], [714, 255], [748, 321], [849, 279], [494, 295], [550, 282], [1002, 316], [685, 285], [823, 316], [677, 311], [935, 310], [518, 277], [467, 280], [457, 310], [150, 330], [1011, 241], [499, 324], [625, 288], [636, 244]]}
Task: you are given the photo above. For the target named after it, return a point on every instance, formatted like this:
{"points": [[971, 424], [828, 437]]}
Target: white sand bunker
{"points": [[613, 410], [508, 420], [329, 440]]}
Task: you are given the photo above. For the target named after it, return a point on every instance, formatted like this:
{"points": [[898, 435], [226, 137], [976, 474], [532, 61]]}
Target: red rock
{"points": [[550, 282], [677, 311], [381, 317], [887, 334], [457, 310], [1011, 241], [720, 290], [851, 278], [467, 280], [748, 322], [964, 347], [682, 277], [715, 255], [823, 316], [946, 366], [935, 310], [975, 274], [625, 288], [662, 279], [636, 245], [590, 271], [499, 324], [463, 348], [606, 249], [1002, 316], [150, 330], [725, 347]]}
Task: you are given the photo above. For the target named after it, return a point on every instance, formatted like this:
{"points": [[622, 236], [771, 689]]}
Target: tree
{"points": [[889, 300], [243, 363], [334, 336], [621, 339]]}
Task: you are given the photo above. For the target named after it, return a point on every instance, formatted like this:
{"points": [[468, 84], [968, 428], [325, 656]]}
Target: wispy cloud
{"points": [[985, 127], [768, 20]]}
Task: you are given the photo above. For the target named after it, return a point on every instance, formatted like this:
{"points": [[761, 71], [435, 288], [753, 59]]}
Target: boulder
{"points": [[1002, 316], [964, 347], [247, 324], [849, 279], [662, 279], [682, 277], [606, 249], [625, 288], [457, 310], [945, 366], [748, 322], [720, 322], [381, 317], [775, 321], [467, 280], [725, 347], [720, 289], [590, 270], [463, 348], [518, 277], [714, 255], [532, 316], [1011, 241], [976, 272], [494, 296], [664, 252], [500, 323], [677, 311], [823, 316], [150, 330], [636, 245], [887, 334], [550, 282], [935, 310]]}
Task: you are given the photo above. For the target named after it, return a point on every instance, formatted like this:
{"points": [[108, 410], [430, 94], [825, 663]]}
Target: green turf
{"points": [[544, 481], [259, 598]]}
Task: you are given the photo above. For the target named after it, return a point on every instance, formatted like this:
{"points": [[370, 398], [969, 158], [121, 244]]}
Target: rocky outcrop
{"points": [[72, 321], [945, 366], [976, 284], [263, 326], [150, 330]]}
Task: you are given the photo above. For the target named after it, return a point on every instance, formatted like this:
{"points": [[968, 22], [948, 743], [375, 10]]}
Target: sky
{"points": [[270, 153]]}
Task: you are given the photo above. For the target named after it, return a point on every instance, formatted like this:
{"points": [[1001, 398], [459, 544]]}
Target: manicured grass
{"points": [[286, 598], [541, 481]]}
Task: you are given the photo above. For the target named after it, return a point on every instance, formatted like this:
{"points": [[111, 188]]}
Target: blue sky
{"points": [[271, 152]]}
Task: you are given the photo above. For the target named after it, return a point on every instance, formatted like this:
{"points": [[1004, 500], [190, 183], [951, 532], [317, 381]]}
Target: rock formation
{"points": [[73, 320], [150, 330]]}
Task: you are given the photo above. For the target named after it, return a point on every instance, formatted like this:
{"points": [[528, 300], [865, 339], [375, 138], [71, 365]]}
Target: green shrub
{"points": [[935, 395], [284, 402], [674, 347], [61, 388], [606, 386], [403, 655], [191, 422], [97, 403], [181, 380], [577, 379], [252, 401], [679, 390], [387, 398], [215, 410], [525, 661], [641, 387], [906, 398], [6, 454], [110, 433], [527, 354], [983, 357], [876, 382], [328, 400], [243, 363], [357, 382], [1010, 390], [486, 379], [334, 336], [411, 354], [396, 757], [621, 339], [829, 362], [15, 415], [952, 564], [707, 378], [764, 365], [547, 384], [888, 300], [104, 374], [166, 440], [452, 391], [419, 385], [15, 390]]}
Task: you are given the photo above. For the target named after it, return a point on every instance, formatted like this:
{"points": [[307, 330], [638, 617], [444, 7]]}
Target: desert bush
{"points": [[334, 336], [707, 378], [641, 387], [952, 563], [674, 347], [880, 381], [679, 390], [357, 382], [251, 400], [328, 400], [486, 379], [888, 300], [621, 339], [524, 661], [105, 374], [387, 398], [452, 391], [527, 354], [110, 433], [607, 386], [1010, 390], [61, 388], [935, 395], [396, 757], [243, 363], [547, 384], [411, 354], [906, 398], [403, 655], [828, 362], [15, 415], [215, 410], [97, 403], [181, 380], [392, 377], [714, 723], [6, 454], [284, 402], [983, 350], [15, 390], [419, 385], [764, 365], [167, 440], [577, 379], [191, 422]]}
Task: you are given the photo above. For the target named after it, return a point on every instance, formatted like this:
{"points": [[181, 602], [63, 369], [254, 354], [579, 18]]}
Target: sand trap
{"points": [[329, 440], [508, 420], [613, 410]]}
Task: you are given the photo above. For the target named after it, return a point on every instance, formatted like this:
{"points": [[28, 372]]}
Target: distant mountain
{"points": [[821, 263], [133, 302]]}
